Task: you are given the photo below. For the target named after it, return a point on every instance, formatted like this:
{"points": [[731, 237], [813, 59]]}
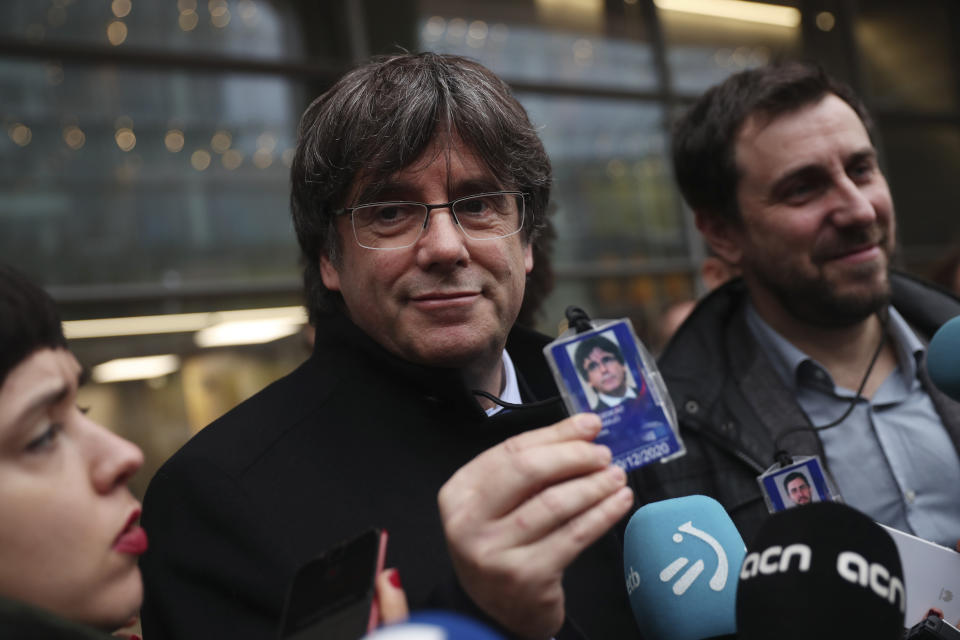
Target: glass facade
{"points": [[145, 151]]}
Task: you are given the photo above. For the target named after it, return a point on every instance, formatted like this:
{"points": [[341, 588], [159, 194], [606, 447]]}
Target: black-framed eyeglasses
{"points": [[398, 225]]}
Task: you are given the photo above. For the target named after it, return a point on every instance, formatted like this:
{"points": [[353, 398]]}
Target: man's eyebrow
{"points": [[863, 154], [805, 171], [815, 168]]}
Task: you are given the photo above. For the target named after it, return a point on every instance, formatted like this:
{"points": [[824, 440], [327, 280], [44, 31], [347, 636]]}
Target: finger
{"points": [[502, 478], [562, 546], [391, 598], [556, 505], [580, 426]]}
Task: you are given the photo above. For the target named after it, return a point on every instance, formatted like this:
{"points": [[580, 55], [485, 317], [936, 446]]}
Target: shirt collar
{"points": [[787, 360], [511, 389], [612, 401]]}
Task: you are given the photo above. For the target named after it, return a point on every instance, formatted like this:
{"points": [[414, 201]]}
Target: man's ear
{"points": [[723, 236], [329, 273]]}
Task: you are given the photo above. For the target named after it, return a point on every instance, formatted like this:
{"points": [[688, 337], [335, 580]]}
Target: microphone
{"points": [[434, 625], [942, 355], [824, 571], [680, 560]]}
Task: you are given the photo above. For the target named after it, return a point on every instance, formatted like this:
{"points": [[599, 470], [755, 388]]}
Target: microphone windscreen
{"points": [[943, 358], [824, 571], [435, 625], [680, 560]]}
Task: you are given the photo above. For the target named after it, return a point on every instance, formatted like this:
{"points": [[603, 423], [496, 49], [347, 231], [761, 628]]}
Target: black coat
{"points": [[19, 621], [731, 403], [354, 438]]}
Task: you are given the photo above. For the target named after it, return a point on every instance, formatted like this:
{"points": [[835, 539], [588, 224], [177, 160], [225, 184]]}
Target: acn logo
{"points": [[719, 578], [775, 559], [854, 568]]}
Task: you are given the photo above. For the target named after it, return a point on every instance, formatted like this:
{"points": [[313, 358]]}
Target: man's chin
{"points": [[836, 305], [448, 351]]}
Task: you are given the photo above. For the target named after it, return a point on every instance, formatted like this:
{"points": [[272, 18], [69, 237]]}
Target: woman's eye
{"points": [[45, 439]]}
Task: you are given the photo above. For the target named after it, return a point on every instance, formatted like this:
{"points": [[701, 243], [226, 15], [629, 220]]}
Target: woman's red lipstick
{"points": [[133, 539]]}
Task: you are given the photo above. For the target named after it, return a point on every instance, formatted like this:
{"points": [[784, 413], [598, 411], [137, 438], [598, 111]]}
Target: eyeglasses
{"points": [[606, 361], [398, 225]]}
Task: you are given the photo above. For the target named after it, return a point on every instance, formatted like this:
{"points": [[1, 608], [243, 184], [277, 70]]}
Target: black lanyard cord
{"points": [[781, 455]]}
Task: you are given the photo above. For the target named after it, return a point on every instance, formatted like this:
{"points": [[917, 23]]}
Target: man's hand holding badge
{"points": [[517, 515]]}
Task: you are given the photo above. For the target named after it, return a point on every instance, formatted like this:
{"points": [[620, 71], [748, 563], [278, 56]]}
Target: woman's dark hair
{"points": [[704, 139], [28, 320], [380, 118]]}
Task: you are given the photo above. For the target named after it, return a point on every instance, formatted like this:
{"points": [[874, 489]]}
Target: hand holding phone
{"points": [[332, 597]]}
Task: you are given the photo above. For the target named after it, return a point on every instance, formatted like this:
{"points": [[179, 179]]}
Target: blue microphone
{"points": [[681, 559], [435, 625], [942, 358]]}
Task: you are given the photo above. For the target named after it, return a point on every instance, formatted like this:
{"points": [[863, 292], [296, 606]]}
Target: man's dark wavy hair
{"points": [[379, 118], [704, 139], [28, 320]]}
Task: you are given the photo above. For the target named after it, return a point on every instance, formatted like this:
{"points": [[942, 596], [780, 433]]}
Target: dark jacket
{"points": [[21, 621], [354, 438], [731, 403]]}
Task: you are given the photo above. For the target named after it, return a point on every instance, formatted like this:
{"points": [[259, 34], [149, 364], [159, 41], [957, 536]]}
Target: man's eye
{"points": [[799, 191], [474, 206], [860, 170], [391, 213], [45, 439]]}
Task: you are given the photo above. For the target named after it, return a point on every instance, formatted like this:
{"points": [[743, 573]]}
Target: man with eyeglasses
{"points": [[419, 195]]}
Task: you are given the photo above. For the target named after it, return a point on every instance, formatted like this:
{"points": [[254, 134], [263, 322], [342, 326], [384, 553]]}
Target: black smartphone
{"points": [[332, 596], [932, 628]]}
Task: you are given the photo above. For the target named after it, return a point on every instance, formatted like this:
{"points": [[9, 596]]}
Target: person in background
{"points": [[781, 172], [713, 273]]}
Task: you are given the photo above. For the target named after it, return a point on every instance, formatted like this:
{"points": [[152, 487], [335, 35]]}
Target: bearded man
{"points": [[780, 169]]}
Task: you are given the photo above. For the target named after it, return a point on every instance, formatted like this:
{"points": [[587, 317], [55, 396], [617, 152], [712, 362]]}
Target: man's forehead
{"points": [[791, 136], [461, 163]]}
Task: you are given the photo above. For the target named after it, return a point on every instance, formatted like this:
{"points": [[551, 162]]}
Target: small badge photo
{"points": [[804, 481], [609, 372]]}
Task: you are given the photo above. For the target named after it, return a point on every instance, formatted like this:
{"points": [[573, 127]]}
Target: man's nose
{"points": [[441, 241], [853, 206]]}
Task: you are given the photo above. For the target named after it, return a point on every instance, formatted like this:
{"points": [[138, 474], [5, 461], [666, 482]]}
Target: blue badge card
{"points": [[608, 371]]}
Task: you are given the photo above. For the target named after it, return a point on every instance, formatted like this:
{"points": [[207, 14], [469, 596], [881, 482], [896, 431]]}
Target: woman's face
{"points": [[69, 541]]}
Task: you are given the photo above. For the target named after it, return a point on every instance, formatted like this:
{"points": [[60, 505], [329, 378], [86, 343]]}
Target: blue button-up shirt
{"points": [[891, 458]]}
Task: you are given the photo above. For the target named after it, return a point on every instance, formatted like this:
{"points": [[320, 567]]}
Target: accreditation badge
{"points": [[608, 371], [794, 482]]}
